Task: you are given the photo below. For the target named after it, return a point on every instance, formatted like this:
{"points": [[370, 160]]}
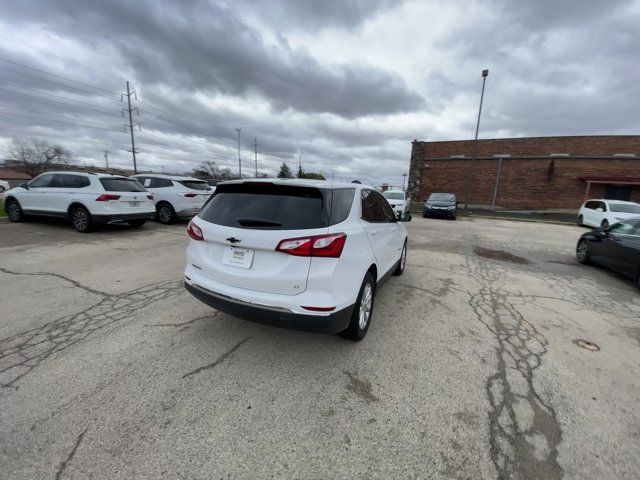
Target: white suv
{"points": [[86, 199], [602, 213], [301, 254], [175, 196], [399, 200]]}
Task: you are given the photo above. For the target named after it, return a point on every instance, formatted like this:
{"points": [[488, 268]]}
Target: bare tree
{"points": [[36, 156], [210, 169]]}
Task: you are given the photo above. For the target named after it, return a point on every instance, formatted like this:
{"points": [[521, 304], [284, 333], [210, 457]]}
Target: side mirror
{"points": [[404, 217], [24, 185]]}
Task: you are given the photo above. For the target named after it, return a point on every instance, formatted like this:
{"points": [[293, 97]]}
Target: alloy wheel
{"points": [[80, 220], [13, 210], [365, 306], [165, 214], [403, 259], [582, 251]]}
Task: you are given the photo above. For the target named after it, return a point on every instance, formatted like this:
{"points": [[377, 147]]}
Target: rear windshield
{"points": [[195, 185], [393, 195], [276, 207], [121, 185], [442, 197], [624, 208]]}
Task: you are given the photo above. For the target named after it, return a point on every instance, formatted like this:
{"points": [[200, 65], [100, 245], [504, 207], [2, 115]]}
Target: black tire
{"points": [[357, 330], [583, 252], [81, 220], [580, 221], [403, 261], [14, 211], [165, 213], [605, 223], [136, 223]]}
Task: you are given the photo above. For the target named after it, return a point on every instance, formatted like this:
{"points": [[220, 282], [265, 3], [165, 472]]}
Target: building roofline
{"points": [[529, 138]]}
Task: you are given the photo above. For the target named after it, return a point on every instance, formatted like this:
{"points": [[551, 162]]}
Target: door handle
{"points": [[374, 232]]}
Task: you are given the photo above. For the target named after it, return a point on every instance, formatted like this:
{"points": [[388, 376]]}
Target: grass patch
{"points": [[2, 214]]}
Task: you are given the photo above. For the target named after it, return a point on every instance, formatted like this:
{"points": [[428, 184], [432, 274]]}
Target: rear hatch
{"points": [[125, 195], [247, 221], [198, 191]]}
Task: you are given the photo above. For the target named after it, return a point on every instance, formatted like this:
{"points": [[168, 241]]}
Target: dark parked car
{"points": [[616, 247], [442, 205]]}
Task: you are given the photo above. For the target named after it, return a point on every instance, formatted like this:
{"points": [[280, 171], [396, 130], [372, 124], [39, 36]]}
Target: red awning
{"points": [[613, 180]]}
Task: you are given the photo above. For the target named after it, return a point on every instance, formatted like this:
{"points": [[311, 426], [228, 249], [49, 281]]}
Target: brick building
{"points": [[541, 173]]}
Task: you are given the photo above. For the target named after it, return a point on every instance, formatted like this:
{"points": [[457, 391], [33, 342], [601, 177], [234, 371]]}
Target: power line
{"points": [[56, 121], [56, 75], [68, 87], [60, 103], [49, 115], [51, 95]]}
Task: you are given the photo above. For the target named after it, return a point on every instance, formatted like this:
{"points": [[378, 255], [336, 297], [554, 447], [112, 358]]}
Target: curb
{"points": [[519, 219]]}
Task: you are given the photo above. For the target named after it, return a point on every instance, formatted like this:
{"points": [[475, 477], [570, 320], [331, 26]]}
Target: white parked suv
{"points": [[301, 254], [602, 213], [175, 196], [86, 199], [399, 200]]}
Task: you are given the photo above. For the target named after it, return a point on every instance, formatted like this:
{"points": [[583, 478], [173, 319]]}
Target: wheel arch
{"points": [[8, 200], [75, 204]]}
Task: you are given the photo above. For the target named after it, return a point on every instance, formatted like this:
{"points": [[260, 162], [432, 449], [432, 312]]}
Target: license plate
{"points": [[238, 257], [134, 204]]}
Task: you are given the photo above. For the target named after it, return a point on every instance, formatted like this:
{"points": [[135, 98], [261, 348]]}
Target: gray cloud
{"points": [[556, 68]]}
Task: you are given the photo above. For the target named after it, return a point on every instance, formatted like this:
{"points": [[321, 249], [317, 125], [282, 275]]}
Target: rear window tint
{"points": [[341, 202], [268, 206], [121, 185], [194, 185]]}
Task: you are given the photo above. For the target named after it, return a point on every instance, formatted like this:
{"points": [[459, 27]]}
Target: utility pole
{"points": [[485, 74], [130, 110], [255, 146], [106, 158], [239, 161], [404, 175]]}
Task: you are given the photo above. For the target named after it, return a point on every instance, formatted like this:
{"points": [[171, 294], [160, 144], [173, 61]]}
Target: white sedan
{"points": [[4, 186]]}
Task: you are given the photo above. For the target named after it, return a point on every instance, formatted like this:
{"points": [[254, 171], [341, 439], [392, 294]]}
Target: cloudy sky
{"points": [[344, 84]]}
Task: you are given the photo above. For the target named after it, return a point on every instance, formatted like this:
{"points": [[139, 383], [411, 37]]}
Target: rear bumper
{"points": [[123, 217], [275, 316]]}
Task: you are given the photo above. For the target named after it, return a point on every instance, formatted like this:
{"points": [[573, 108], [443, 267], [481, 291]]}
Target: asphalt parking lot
{"points": [[472, 368]]}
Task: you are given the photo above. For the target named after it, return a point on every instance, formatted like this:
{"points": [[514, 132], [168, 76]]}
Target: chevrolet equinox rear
{"points": [[299, 254]]}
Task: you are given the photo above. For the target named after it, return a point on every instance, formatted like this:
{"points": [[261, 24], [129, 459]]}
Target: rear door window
{"points": [[268, 206], [159, 183], [121, 185], [372, 210], [65, 180], [195, 185]]}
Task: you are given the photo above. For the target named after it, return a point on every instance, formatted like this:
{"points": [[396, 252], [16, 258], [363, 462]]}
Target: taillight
{"points": [[150, 197], [317, 246], [105, 197], [194, 231]]}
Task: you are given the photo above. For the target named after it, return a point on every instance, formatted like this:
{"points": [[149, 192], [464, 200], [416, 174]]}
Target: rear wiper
{"points": [[256, 222]]}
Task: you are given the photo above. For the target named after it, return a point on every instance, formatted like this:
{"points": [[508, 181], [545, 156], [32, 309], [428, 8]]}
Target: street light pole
{"points": [[404, 175], [485, 74], [239, 161]]}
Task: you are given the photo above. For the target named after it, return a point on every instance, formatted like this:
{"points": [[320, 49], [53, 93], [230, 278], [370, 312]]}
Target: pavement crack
{"points": [[65, 462], [218, 361], [75, 283], [24, 351], [183, 325], [524, 431]]}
